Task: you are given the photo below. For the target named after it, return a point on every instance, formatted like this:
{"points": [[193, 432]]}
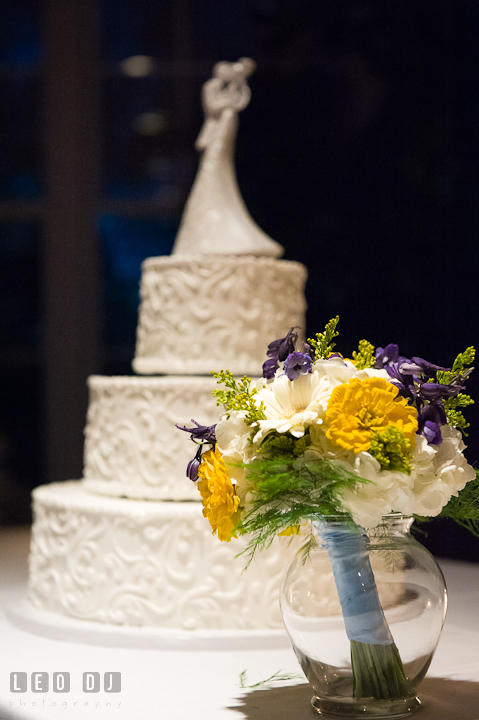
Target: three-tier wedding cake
{"points": [[128, 544]]}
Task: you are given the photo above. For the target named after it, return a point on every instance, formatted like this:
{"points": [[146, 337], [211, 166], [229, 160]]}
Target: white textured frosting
{"points": [[132, 447], [139, 563], [201, 313]]}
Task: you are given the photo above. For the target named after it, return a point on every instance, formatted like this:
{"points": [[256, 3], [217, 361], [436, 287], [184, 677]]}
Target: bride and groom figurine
{"points": [[216, 220]]}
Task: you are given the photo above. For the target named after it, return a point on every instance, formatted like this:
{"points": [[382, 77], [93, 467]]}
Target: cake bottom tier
{"points": [[147, 563]]}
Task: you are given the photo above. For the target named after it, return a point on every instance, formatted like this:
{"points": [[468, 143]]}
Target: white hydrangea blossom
{"points": [[233, 437], [438, 472], [435, 483]]}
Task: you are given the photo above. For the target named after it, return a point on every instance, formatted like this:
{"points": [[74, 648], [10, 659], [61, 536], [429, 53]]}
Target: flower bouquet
{"points": [[321, 438]]}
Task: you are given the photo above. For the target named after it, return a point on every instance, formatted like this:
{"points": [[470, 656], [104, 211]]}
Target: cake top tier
{"points": [[200, 313]]}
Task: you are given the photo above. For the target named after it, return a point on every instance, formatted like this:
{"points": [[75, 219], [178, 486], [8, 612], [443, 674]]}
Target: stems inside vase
{"points": [[376, 664], [378, 671]]}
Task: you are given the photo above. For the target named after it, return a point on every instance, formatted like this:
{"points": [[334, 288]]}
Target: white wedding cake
{"points": [[128, 545]]}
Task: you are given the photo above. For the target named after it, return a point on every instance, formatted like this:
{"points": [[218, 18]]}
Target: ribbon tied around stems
{"points": [[363, 615]]}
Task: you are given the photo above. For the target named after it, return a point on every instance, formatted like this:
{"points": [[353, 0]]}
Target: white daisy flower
{"points": [[292, 406]]}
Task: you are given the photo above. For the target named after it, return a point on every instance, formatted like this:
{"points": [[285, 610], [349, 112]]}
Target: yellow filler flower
{"points": [[220, 503], [359, 408]]}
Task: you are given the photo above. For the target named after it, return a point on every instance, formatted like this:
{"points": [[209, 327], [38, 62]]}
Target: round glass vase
{"points": [[364, 612]]}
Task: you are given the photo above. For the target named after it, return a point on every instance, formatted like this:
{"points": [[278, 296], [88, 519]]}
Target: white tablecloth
{"points": [[205, 685]]}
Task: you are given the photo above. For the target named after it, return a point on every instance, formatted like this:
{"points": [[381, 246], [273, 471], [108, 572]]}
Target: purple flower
{"points": [[308, 350], [417, 367], [404, 383], [432, 433], [430, 418], [426, 367], [193, 465], [286, 345], [201, 433], [386, 356], [269, 368], [297, 364], [278, 351], [435, 391], [410, 368], [416, 380], [412, 377], [434, 412]]}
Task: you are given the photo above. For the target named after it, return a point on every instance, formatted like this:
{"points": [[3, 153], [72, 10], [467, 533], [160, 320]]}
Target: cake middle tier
{"points": [[132, 447]]}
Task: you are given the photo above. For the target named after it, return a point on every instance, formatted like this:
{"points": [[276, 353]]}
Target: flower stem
{"points": [[378, 671], [376, 664]]}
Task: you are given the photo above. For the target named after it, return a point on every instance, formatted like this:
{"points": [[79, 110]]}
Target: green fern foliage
{"points": [[464, 509], [287, 492]]}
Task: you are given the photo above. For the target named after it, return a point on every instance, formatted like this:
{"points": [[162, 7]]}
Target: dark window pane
{"points": [[21, 440], [20, 38], [139, 157], [225, 30], [19, 286], [125, 243], [136, 27], [20, 138], [21, 460]]}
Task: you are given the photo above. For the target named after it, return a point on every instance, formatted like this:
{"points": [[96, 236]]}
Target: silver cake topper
{"points": [[215, 219]]}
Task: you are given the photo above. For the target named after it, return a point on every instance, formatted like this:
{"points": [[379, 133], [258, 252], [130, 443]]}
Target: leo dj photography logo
{"points": [[40, 682]]}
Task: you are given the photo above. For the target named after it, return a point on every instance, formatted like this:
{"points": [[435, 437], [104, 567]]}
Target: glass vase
{"points": [[364, 612]]}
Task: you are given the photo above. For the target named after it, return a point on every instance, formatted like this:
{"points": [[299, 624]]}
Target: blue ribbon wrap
{"points": [[363, 615]]}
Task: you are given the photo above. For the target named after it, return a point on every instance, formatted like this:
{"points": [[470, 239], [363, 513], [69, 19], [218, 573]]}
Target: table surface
{"points": [[205, 685]]}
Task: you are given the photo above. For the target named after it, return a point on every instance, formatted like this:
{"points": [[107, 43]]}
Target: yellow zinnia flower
{"points": [[220, 502], [359, 408]]}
